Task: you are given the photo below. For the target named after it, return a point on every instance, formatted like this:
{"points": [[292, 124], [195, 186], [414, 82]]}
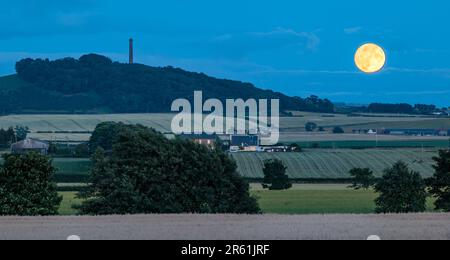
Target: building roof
{"points": [[244, 140], [29, 144]]}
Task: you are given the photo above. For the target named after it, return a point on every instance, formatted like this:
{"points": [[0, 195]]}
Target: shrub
{"points": [[338, 130], [310, 127]]}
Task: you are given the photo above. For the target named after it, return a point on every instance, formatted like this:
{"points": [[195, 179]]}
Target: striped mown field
{"points": [[336, 164]]}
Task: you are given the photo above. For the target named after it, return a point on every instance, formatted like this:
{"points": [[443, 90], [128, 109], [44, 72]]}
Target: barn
{"points": [[30, 145]]}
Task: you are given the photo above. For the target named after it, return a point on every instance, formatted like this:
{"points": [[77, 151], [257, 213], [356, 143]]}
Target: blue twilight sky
{"points": [[296, 47]]}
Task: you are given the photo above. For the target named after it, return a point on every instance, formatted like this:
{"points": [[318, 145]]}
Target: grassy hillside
{"points": [[95, 83], [11, 82]]}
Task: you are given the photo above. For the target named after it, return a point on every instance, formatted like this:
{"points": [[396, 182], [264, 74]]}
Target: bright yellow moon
{"points": [[370, 58]]}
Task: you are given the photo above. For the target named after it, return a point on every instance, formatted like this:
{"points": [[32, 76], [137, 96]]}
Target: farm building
{"points": [[276, 149], [203, 139], [247, 143], [413, 132], [30, 145]]}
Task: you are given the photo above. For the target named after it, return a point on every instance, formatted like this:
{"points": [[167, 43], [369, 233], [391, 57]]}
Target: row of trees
{"points": [[403, 108]]}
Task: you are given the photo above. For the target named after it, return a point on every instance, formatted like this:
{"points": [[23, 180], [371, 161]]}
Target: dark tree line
{"points": [[402, 108], [96, 82]]}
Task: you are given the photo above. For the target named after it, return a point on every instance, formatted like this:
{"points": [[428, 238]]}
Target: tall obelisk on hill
{"points": [[131, 51]]}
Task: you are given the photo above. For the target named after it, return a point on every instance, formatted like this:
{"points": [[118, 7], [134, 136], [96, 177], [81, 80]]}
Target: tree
{"points": [[362, 178], [440, 182], [275, 177], [27, 187], [147, 173], [338, 130], [401, 191], [104, 136], [310, 127], [21, 132], [7, 137]]}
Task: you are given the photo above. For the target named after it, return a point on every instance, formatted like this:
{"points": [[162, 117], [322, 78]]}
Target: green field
{"points": [[301, 199], [336, 164], [69, 199]]}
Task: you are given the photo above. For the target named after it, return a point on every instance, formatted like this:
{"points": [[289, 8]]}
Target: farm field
{"points": [[301, 199], [429, 226], [77, 128], [358, 144], [335, 164], [310, 164]]}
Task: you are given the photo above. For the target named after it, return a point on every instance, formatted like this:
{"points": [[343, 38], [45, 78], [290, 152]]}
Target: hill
{"points": [[95, 83]]}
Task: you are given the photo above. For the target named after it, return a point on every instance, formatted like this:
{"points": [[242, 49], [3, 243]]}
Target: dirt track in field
{"points": [[228, 227]]}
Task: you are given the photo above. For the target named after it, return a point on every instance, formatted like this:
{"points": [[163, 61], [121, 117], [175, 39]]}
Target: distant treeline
{"points": [[403, 108], [95, 82], [384, 108]]}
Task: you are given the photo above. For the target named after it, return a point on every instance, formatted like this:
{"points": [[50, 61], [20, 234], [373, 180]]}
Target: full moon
{"points": [[370, 58]]}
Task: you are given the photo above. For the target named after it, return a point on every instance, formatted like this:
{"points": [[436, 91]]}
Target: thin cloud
{"points": [[430, 92], [412, 70], [312, 38], [270, 40], [353, 30], [302, 71]]}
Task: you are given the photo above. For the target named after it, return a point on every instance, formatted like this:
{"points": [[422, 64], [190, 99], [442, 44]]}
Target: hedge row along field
{"points": [[335, 164]]}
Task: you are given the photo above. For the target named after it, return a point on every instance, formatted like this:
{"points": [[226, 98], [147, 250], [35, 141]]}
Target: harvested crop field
{"points": [[229, 227]]}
